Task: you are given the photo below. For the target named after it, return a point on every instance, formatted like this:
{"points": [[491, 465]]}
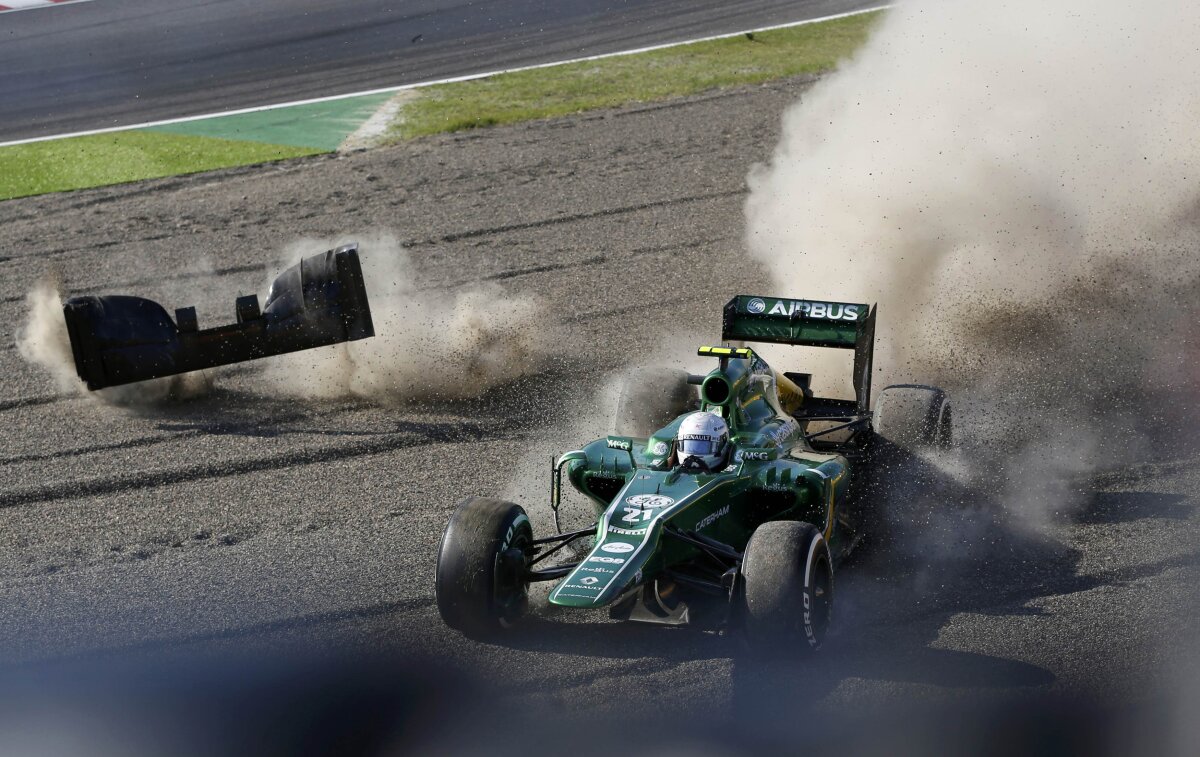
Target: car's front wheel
{"points": [[480, 582], [787, 589]]}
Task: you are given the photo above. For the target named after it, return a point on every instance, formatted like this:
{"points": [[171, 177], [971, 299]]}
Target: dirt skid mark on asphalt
{"points": [[206, 470], [139, 442], [28, 402], [460, 235]]}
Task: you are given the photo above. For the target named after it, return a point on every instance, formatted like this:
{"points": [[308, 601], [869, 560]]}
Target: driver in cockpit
{"points": [[702, 442]]}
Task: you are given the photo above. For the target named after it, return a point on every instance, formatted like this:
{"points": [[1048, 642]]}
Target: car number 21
{"points": [[637, 514]]}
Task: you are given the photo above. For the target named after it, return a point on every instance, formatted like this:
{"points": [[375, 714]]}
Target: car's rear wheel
{"points": [[914, 417], [787, 589], [480, 582], [650, 398]]}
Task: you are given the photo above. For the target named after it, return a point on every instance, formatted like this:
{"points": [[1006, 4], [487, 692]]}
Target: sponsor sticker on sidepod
{"points": [[617, 548]]}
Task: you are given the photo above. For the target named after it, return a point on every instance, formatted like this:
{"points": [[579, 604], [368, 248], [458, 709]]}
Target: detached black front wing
{"points": [[317, 302]]}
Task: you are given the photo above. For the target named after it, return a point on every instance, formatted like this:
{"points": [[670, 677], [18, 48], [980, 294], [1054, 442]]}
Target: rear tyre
{"points": [[787, 589], [480, 581], [914, 417], [651, 398]]}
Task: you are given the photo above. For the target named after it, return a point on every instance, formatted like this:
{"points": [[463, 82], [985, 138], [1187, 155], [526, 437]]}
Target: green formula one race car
{"points": [[738, 485]]}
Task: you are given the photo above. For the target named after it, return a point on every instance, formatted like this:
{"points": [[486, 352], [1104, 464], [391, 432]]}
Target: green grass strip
{"points": [[82, 162], [641, 77]]}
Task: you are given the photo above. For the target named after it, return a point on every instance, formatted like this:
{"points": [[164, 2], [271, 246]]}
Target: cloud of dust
{"points": [[427, 345], [42, 339], [1016, 185]]}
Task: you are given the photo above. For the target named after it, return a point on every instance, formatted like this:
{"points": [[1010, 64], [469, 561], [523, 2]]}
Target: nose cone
{"points": [[627, 537], [612, 566]]}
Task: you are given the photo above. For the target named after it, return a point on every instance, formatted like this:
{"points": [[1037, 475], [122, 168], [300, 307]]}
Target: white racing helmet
{"points": [[702, 435]]}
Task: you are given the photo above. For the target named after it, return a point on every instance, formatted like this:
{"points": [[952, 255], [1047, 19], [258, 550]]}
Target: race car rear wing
{"points": [[321, 300], [809, 323]]}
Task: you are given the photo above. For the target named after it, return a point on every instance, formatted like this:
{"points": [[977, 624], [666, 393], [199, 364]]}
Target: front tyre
{"points": [[787, 589], [480, 581]]}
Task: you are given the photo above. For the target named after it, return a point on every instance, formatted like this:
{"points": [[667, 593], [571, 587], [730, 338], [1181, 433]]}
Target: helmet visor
{"points": [[700, 446]]}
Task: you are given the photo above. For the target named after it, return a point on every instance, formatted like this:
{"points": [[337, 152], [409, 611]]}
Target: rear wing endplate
{"points": [[811, 323]]}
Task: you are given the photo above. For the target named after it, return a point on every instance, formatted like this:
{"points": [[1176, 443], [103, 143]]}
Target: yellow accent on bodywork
{"points": [[791, 397], [832, 500], [741, 352]]}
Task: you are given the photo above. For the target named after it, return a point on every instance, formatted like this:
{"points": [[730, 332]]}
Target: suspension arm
{"points": [[563, 540], [711, 546], [851, 424], [549, 574]]}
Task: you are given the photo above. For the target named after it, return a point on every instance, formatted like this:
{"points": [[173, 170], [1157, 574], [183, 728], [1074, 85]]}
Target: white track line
{"points": [[9, 6], [451, 80]]}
